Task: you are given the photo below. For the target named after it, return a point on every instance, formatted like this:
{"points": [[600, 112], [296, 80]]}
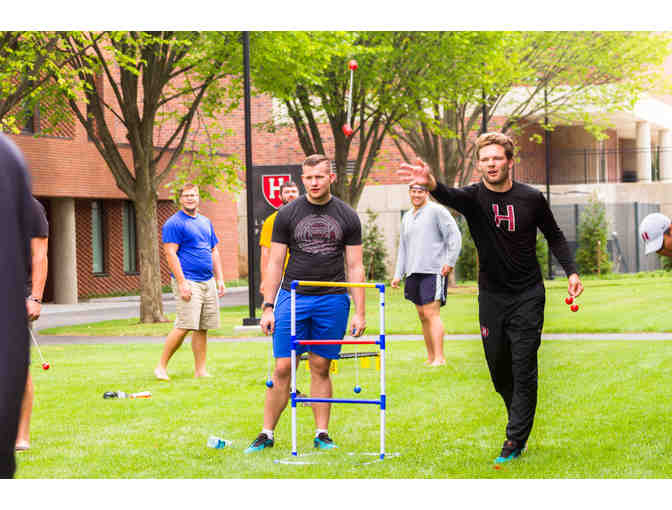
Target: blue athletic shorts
{"points": [[323, 317]]}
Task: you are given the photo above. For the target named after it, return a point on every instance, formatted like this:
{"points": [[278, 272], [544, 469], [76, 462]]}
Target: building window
{"points": [[30, 120], [130, 239], [97, 237]]}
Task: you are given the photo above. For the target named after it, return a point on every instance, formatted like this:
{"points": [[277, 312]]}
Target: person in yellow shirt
{"points": [[288, 192]]}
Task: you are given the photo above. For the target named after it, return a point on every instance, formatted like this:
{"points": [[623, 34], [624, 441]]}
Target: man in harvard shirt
{"points": [[503, 217]]}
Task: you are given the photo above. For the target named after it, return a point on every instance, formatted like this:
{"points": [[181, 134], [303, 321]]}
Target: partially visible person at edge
{"points": [[190, 245], [323, 233], [654, 231], [288, 192], [15, 210], [36, 277], [503, 216], [429, 244]]}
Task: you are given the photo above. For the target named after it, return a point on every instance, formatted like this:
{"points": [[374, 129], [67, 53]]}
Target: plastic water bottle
{"points": [[218, 443]]}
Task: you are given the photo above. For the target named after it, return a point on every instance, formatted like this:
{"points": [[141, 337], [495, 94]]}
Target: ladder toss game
{"points": [[380, 342]]}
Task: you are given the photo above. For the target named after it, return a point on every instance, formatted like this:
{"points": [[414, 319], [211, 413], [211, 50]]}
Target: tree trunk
{"points": [[151, 304]]}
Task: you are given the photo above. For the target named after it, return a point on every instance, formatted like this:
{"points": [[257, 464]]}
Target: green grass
{"points": [[620, 303], [603, 413]]}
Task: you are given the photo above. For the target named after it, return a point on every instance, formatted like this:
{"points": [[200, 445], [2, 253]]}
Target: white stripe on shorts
{"points": [[438, 288]]}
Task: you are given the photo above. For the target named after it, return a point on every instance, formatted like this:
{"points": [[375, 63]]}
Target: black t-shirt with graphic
{"points": [[316, 236], [504, 229]]}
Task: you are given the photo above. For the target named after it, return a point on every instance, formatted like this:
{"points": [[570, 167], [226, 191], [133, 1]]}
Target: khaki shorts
{"points": [[202, 310]]}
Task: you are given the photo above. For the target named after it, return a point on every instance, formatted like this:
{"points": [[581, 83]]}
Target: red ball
{"points": [[45, 365], [574, 308], [353, 65], [569, 300], [347, 130]]}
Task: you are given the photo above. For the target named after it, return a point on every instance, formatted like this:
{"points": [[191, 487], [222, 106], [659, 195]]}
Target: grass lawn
{"points": [[603, 413], [622, 303]]}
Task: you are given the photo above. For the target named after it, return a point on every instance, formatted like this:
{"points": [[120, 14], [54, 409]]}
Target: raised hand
{"points": [[419, 173]]}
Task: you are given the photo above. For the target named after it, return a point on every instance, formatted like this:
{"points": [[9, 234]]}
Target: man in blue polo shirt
{"points": [[190, 245]]}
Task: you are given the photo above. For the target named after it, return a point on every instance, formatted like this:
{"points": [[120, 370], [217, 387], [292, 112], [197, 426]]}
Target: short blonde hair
{"points": [[495, 138], [315, 160]]}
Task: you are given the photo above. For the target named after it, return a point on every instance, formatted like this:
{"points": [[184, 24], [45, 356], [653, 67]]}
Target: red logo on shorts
{"points": [[484, 332], [270, 187]]}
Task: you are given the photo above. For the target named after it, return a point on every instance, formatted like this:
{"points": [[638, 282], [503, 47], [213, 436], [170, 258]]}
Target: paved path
{"points": [[107, 309]]}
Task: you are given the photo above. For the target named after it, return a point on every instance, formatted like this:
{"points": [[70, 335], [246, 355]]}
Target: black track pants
{"points": [[511, 331], [13, 371]]}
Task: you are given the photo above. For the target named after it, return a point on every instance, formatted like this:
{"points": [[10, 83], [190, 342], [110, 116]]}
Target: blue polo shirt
{"points": [[196, 239]]}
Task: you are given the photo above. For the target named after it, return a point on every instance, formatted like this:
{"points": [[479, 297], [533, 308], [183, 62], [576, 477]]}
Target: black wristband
{"points": [[267, 305]]}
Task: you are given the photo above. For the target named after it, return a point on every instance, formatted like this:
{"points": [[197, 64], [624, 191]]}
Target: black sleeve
{"points": [[39, 225], [281, 231], [457, 198], [556, 239], [353, 234]]}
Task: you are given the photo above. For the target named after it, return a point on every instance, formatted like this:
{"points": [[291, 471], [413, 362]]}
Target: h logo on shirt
{"points": [[510, 217]]}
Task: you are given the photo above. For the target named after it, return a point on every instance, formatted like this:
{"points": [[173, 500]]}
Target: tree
{"points": [[163, 84], [33, 77], [583, 76], [308, 72]]}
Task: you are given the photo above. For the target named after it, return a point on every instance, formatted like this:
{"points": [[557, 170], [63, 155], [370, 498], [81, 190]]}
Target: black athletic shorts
{"points": [[423, 289]]}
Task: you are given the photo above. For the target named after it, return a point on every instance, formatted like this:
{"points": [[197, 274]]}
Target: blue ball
{"points": [[269, 384], [358, 389]]}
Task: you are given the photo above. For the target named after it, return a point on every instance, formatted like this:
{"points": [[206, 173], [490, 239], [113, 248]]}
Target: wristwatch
{"points": [[33, 298], [267, 305]]}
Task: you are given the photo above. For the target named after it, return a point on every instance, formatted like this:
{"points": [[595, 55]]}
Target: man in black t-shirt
{"points": [[321, 232], [36, 278], [503, 217], [14, 345]]}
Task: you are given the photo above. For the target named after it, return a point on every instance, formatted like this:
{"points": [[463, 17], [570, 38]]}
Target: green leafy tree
{"points": [[375, 254], [308, 73], [34, 76], [166, 87], [592, 253], [573, 77]]}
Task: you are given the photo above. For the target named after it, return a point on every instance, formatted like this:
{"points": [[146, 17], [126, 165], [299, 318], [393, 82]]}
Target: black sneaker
{"points": [[323, 442], [512, 449], [262, 441]]}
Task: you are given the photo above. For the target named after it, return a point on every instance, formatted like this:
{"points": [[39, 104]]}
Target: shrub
{"points": [[466, 267], [593, 228], [542, 253], [375, 254]]}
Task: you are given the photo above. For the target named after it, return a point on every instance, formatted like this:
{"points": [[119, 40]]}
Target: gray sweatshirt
{"points": [[429, 240]]}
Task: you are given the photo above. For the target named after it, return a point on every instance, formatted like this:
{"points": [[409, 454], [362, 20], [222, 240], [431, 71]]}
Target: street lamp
{"points": [[252, 286]]}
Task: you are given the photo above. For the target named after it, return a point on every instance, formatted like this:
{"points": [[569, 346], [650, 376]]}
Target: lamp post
{"points": [[547, 144], [252, 285]]}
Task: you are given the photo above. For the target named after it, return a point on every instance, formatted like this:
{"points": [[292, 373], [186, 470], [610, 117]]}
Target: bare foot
{"points": [[161, 374], [438, 363], [428, 362], [22, 446], [202, 374]]}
